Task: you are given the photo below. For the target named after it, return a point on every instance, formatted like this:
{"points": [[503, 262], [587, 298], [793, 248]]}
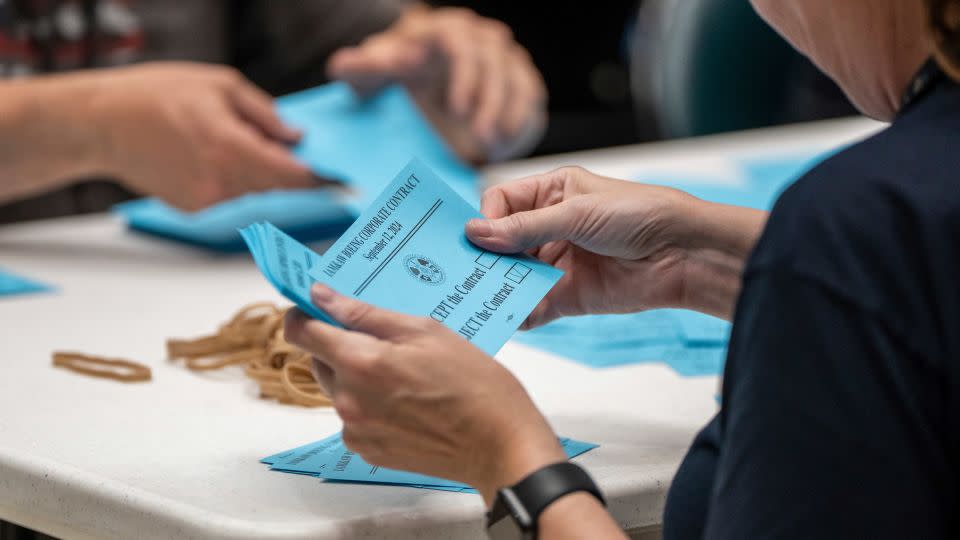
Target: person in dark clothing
{"points": [[841, 393]]}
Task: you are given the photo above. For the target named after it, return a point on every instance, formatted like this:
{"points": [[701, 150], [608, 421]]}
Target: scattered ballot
{"points": [[331, 460], [12, 284], [408, 253]]}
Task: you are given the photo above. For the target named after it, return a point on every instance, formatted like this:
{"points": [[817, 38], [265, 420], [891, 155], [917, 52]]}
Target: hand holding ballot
{"points": [[212, 135], [402, 314], [478, 87], [192, 134], [415, 396], [623, 247]]}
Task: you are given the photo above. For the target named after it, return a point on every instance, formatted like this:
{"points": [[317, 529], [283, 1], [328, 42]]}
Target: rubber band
{"points": [[253, 338], [104, 368]]}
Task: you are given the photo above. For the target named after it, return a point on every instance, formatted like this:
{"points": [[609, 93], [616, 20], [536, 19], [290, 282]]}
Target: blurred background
{"points": [[617, 72], [622, 71]]}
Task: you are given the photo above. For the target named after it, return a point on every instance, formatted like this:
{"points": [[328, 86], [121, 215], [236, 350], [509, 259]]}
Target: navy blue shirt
{"points": [[841, 397]]}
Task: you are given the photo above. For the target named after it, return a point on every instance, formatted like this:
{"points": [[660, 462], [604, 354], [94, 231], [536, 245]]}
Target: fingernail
{"points": [[480, 228], [321, 294]]}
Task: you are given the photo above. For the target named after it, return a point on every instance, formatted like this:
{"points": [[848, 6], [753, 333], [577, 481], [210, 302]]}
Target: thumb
{"points": [[357, 68], [526, 230]]}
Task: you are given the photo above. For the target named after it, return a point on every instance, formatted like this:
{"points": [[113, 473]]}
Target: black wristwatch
{"points": [[516, 509]]}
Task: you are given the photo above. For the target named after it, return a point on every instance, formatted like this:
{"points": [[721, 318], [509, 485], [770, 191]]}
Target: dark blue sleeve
{"points": [[831, 427]]}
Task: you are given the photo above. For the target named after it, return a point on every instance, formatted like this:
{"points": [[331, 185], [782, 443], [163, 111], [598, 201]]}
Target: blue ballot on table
{"points": [[331, 460], [12, 284], [360, 142], [408, 252], [307, 215]]}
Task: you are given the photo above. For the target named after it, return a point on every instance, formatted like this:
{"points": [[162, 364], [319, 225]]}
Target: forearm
{"points": [[722, 238], [578, 515], [49, 134]]}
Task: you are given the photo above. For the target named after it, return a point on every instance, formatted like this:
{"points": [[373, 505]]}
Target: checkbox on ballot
{"points": [[517, 272]]}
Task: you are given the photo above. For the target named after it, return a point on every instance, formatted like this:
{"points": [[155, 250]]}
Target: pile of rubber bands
{"points": [[253, 338]]}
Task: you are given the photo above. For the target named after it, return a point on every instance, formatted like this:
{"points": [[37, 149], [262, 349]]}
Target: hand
{"points": [[415, 396], [476, 85], [624, 247], [192, 134]]}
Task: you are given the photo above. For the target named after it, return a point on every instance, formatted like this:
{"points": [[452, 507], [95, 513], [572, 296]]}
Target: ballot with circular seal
{"points": [[423, 269], [413, 232]]}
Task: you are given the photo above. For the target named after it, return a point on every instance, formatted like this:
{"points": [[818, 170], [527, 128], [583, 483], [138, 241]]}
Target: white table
{"points": [[85, 458]]}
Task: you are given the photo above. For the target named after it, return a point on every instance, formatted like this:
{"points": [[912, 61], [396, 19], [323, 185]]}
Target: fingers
{"points": [[254, 163], [464, 70], [526, 230], [323, 374], [523, 195], [335, 346], [377, 61], [541, 315], [527, 101], [256, 107], [491, 91], [363, 317]]}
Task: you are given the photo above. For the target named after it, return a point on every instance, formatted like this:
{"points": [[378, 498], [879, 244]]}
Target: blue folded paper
{"points": [[360, 142], [408, 252], [13, 284], [363, 142], [330, 460]]}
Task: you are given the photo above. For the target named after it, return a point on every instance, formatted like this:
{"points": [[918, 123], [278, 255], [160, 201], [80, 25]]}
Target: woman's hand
{"points": [[623, 246], [477, 86], [415, 396]]}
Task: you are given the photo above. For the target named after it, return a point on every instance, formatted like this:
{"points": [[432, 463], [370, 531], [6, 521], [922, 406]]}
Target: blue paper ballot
{"points": [[307, 449], [408, 252], [307, 215], [692, 360], [284, 262], [331, 460], [692, 344], [363, 142], [12, 284]]}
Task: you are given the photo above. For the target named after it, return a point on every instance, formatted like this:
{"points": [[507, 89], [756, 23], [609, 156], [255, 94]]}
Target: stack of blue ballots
{"points": [[12, 284], [691, 343], [360, 142], [306, 215], [330, 460], [408, 253]]}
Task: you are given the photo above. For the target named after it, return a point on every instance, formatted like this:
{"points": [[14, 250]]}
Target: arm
{"points": [[721, 238], [48, 140], [192, 134], [623, 246]]}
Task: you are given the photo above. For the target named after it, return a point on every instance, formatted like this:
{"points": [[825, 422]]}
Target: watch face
{"points": [[509, 520]]}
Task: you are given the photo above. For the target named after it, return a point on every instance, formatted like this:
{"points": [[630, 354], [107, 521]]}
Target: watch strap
{"points": [[532, 495]]}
